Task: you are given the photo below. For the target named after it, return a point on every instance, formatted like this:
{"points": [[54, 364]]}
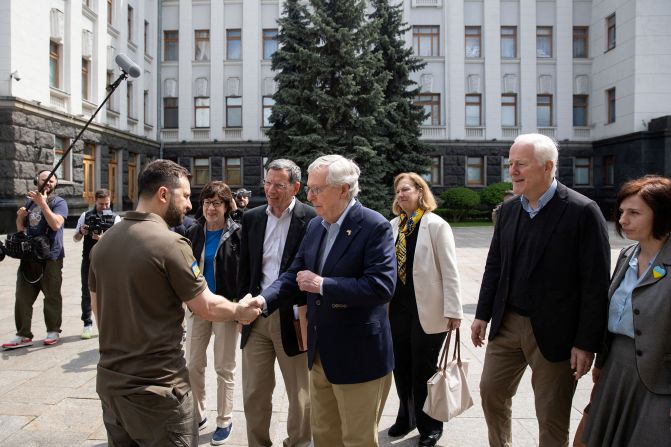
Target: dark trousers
{"points": [[416, 354], [149, 420], [31, 278], [86, 295]]}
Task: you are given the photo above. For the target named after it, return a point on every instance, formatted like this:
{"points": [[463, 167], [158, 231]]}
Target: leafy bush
{"points": [[493, 194], [458, 201]]}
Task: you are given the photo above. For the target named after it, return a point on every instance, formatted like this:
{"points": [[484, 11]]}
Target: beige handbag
{"points": [[447, 390]]}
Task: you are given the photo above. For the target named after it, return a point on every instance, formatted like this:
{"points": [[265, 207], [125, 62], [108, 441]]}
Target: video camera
{"points": [[242, 193], [99, 223]]}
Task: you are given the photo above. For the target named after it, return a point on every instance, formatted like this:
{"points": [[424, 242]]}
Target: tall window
{"points": [[170, 113], [145, 107], [268, 103], [110, 11], [130, 23], [86, 79], [111, 104], [269, 43], [202, 111], [425, 40], [543, 41], [233, 111], [610, 103], [431, 104], [60, 146], [89, 162], [233, 171], [505, 172], [608, 170], [54, 64], [202, 51], [580, 41], [201, 171], [112, 176], [580, 110], [582, 171], [610, 32], [509, 110], [436, 170], [129, 100], [170, 45], [146, 37], [473, 110], [233, 44], [475, 171], [544, 110], [473, 38], [508, 42]]}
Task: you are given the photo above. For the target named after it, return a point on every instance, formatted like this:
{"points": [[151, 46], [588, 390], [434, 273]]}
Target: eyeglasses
{"points": [[315, 190], [278, 186], [212, 203]]}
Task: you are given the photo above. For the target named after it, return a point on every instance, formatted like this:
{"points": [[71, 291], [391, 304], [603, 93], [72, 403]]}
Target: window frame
{"points": [[476, 33], [540, 37], [230, 107], [55, 58], [469, 104], [110, 12], [481, 166], [611, 105], [130, 99], [270, 42], [205, 39], [86, 79], [581, 34], [505, 171], [608, 170], [201, 169], [578, 163], [581, 101], [197, 107], [130, 23], [145, 107], [227, 168], [233, 35], [509, 38], [436, 170], [146, 37], [266, 107], [611, 32], [514, 105], [65, 169], [551, 105], [170, 41], [89, 166], [168, 106], [422, 32], [434, 103]]}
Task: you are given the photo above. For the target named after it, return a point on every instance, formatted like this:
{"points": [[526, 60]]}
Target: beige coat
{"points": [[435, 274]]}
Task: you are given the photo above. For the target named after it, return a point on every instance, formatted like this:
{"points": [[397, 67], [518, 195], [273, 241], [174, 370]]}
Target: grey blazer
{"points": [[651, 303]]}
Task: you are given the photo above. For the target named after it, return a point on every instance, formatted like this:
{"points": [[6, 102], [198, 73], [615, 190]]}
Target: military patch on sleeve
{"points": [[195, 269]]}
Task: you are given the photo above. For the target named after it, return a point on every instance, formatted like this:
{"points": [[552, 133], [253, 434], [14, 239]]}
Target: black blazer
{"points": [[568, 278], [250, 269]]}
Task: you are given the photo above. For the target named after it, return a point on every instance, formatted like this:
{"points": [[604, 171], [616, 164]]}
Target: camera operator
{"points": [[91, 226], [44, 216], [241, 198]]}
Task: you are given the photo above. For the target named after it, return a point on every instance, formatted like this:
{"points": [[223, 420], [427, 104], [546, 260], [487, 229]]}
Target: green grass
{"points": [[471, 224]]}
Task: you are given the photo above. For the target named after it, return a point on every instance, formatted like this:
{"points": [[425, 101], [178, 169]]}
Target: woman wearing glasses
{"points": [[215, 239], [426, 302]]}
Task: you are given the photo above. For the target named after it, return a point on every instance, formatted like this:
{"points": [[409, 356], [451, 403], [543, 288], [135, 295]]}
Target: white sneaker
{"points": [[87, 332], [17, 342], [51, 339]]}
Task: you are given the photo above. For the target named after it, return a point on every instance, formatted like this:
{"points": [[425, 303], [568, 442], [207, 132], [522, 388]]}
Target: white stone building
{"points": [[590, 73]]}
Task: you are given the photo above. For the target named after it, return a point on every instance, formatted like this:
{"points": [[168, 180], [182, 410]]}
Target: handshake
{"points": [[248, 309]]}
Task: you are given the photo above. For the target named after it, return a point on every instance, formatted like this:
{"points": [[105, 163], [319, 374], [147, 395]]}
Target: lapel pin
{"points": [[349, 232], [658, 272]]}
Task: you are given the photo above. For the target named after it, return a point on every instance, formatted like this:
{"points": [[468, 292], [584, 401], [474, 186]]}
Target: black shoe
{"points": [[397, 430], [431, 439]]}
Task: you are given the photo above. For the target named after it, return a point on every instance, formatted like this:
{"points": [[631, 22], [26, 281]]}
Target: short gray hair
{"points": [[282, 164], [545, 148], [341, 171]]}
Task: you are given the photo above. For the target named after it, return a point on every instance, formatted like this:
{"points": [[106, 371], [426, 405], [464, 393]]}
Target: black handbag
{"points": [[23, 246]]}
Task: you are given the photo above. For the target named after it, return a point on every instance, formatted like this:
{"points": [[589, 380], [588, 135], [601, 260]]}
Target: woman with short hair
{"points": [[632, 396]]}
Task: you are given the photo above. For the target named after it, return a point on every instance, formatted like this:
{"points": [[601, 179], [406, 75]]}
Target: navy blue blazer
{"points": [[349, 323]]}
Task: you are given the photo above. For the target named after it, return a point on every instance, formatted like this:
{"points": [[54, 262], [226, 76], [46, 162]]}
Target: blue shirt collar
{"points": [[340, 220], [542, 201]]}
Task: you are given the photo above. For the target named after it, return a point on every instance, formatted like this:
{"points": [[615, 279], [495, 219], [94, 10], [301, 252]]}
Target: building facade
{"points": [[594, 75]]}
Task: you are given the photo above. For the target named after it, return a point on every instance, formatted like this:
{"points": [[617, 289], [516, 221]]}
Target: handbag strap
{"points": [[456, 354], [442, 363]]}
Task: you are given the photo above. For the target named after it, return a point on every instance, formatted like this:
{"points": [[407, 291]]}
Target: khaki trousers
{"points": [[346, 415], [198, 334], [263, 346], [507, 356], [31, 278]]}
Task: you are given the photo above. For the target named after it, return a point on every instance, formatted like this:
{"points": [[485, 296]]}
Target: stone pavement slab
{"points": [[48, 398]]}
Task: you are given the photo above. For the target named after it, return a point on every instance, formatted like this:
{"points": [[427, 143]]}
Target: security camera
{"points": [[15, 75]]}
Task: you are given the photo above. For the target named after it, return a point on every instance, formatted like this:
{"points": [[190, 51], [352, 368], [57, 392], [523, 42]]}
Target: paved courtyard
{"points": [[48, 398]]}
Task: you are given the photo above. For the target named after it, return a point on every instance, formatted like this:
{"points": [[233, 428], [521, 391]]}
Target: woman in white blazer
{"points": [[426, 302]]}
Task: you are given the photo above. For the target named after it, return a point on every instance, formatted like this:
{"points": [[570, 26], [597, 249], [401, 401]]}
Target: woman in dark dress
{"points": [[632, 396]]}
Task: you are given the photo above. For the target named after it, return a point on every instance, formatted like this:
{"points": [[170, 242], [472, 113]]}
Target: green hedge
{"points": [[459, 201], [493, 194]]}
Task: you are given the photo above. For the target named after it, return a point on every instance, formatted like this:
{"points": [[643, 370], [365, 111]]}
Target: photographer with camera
{"points": [[91, 226], [241, 198], [44, 216]]}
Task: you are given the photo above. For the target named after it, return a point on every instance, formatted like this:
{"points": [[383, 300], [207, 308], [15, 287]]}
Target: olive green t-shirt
{"points": [[141, 273]]}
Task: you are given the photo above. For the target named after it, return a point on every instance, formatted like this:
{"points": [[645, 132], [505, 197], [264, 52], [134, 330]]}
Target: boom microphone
{"points": [[127, 65]]}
